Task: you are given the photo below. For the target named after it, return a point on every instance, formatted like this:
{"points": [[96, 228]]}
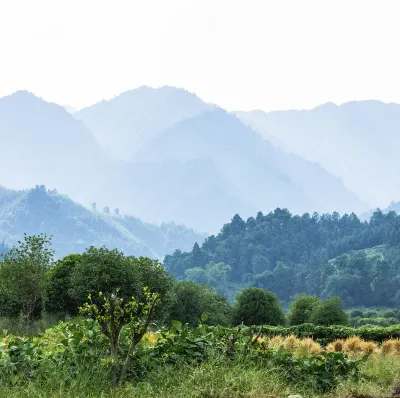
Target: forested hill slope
{"points": [[74, 227], [289, 254]]}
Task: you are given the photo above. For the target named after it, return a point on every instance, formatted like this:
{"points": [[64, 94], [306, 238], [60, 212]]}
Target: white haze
{"points": [[239, 54]]}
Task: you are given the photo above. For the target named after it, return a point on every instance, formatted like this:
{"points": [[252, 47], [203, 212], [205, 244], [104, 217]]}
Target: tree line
{"points": [[33, 282], [323, 255]]}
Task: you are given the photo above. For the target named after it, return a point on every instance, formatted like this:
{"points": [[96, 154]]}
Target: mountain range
{"points": [[42, 143], [356, 141], [74, 227], [165, 155]]}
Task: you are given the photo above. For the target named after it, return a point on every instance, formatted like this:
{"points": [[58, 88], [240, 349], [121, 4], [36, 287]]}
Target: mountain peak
{"points": [[125, 123], [21, 96]]}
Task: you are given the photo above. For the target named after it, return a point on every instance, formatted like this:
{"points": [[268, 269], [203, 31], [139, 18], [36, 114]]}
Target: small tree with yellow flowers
{"points": [[113, 314]]}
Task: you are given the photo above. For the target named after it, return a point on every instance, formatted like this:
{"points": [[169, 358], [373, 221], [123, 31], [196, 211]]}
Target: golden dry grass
{"points": [[353, 347], [291, 343]]}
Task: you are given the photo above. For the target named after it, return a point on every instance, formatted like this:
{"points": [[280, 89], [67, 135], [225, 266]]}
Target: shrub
{"points": [[188, 301], [256, 306], [330, 312], [301, 309], [356, 314]]}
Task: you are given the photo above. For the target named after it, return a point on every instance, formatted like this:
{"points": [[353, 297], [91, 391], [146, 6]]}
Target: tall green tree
{"points": [[58, 297], [76, 277], [23, 277]]}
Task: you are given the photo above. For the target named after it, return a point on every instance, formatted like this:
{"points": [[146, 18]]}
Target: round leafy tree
{"points": [[330, 312], [301, 309], [256, 306]]}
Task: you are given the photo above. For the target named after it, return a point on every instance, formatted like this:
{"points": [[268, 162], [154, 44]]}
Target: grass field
{"points": [[52, 369]]}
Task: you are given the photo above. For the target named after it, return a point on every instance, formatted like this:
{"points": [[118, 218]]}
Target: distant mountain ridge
{"points": [[356, 141], [131, 119], [174, 158], [257, 172], [43, 144], [74, 227]]}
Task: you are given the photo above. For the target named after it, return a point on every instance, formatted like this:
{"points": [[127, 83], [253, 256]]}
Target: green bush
{"points": [[301, 309], [329, 312], [256, 306], [188, 301], [356, 314]]}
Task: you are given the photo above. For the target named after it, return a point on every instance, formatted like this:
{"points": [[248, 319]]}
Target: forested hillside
{"points": [[74, 227], [323, 255]]}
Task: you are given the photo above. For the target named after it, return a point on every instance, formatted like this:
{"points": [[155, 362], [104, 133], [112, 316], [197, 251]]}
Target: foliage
{"points": [[22, 277], [106, 271], [113, 315], [323, 371], [301, 309], [256, 306], [320, 254], [58, 297], [329, 312], [72, 347], [102, 270], [328, 334], [188, 301], [75, 227]]}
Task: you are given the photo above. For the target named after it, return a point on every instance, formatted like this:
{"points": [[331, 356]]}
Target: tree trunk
{"points": [[114, 356], [128, 359], [135, 340]]}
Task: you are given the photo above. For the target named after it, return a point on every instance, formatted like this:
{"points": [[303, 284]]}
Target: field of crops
{"points": [[72, 360]]}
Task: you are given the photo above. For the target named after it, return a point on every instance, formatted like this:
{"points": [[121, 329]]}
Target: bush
{"points": [[301, 309], [371, 314], [188, 301], [57, 297], [256, 306], [390, 314], [330, 312], [356, 314]]}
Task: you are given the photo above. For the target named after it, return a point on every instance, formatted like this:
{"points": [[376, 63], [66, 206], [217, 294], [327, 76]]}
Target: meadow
{"points": [[72, 359]]}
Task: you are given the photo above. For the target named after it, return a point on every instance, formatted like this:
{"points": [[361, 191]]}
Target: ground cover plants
{"points": [[73, 359]]}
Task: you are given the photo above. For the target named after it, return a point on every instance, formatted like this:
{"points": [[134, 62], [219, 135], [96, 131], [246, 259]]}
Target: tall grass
{"points": [[216, 378], [19, 327]]}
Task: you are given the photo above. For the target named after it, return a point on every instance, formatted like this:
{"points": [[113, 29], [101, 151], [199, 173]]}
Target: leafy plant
{"points": [[113, 314]]}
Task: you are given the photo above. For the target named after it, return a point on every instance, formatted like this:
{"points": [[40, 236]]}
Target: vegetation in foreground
{"points": [[72, 360], [125, 340]]}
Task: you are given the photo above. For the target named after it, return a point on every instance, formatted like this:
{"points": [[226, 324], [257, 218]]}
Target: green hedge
{"points": [[327, 334]]}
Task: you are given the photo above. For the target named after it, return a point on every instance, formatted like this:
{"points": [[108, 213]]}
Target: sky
{"points": [[241, 55]]}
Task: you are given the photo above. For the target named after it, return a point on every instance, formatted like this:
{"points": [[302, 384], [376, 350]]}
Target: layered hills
{"points": [[74, 227]]}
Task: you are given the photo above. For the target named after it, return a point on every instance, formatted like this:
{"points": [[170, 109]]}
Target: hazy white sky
{"points": [[239, 54]]}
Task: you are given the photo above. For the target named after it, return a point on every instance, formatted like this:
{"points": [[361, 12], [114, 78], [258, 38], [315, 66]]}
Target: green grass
{"points": [[214, 379]]}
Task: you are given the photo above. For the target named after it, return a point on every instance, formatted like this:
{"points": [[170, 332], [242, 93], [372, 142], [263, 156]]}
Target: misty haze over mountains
{"points": [[357, 141], [165, 155]]}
